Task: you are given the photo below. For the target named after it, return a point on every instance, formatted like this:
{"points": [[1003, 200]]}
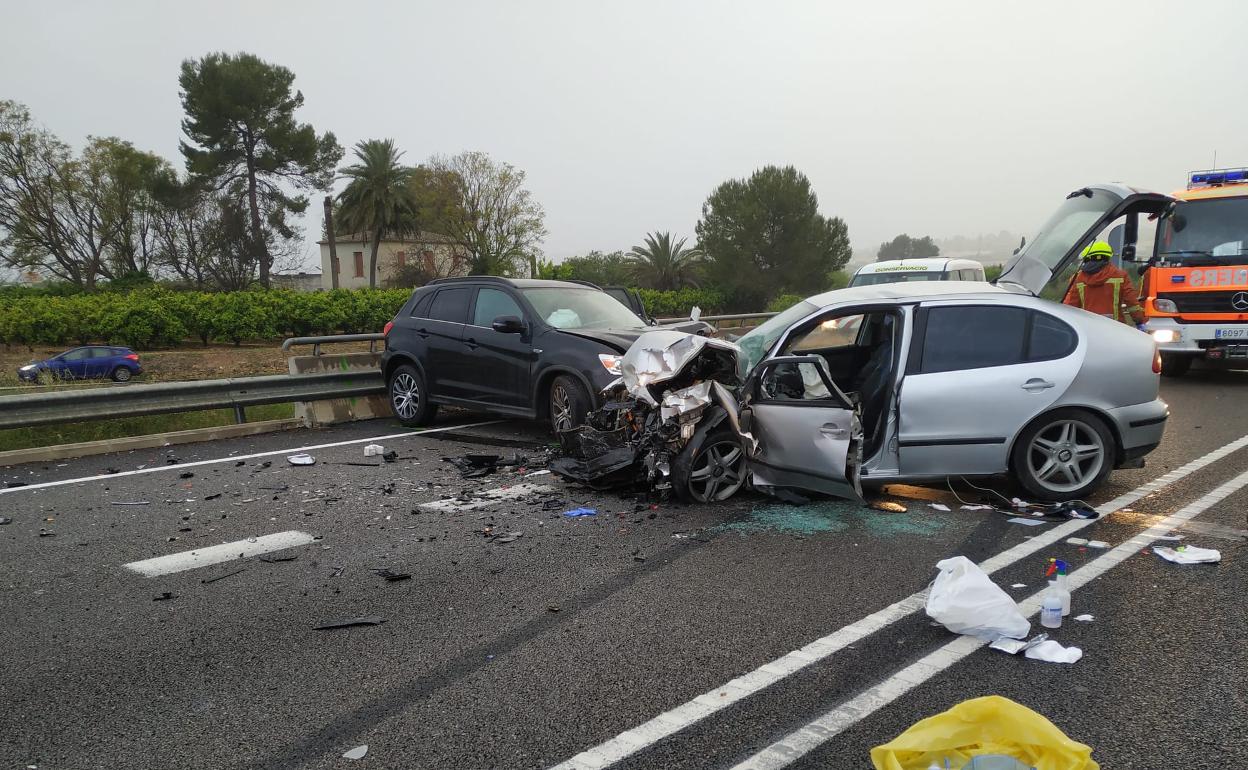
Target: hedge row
{"points": [[159, 317]]}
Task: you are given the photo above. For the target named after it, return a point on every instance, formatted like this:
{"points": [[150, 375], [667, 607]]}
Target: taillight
{"points": [[133, 357], [386, 330], [1156, 362]]}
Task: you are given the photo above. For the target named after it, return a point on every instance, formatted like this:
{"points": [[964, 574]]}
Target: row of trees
{"points": [[113, 211]]}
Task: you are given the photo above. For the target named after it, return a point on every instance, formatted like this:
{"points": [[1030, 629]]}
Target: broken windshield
{"points": [[756, 343], [1205, 232]]}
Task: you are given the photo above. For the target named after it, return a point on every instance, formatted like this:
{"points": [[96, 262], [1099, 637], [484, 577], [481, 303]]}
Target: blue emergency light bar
{"points": [[1216, 177]]}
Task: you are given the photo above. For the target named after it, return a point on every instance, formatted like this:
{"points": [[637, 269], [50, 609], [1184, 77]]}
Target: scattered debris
{"points": [[1188, 554], [553, 608], [578, 512], [274, 558], [1085, 618], [1019, 585], [46, 533], [356, 753], [939, 507], [367, 620], [390, 456], [212, 497], [240, 464], [5, 520], [186, 475], [301, 459], [977, 507], [164, 597], [222, 576], [372, 450], [1076, 541], [476, 465], [130, 502], [550, 504], [111, 471], [965, 600], [510, 537], [1025, 522], [14, 484], [1052, 652], [888, 507], [1015, 646], [391, 576], [1097, 544]]}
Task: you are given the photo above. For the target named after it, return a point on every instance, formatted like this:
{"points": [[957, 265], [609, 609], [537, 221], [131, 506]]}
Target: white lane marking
{"points": [[805, 739], [216, 554], [489, 497], [671, 722], [235, 458]]}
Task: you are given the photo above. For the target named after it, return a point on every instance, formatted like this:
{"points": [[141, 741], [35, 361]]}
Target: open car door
{"points": [[1056, 247], [808, 432]]}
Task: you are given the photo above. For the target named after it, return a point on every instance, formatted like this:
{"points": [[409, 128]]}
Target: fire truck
{"points": [[1195, 285]]}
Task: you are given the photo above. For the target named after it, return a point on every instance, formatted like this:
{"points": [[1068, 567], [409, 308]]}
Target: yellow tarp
{"points": [[988, 725]]}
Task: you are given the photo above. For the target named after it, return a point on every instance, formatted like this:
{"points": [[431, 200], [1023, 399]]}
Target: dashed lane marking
{"points": [[216, 554]]}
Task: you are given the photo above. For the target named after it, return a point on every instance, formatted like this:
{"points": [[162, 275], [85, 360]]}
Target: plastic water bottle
{"points": [[1051, 609]]}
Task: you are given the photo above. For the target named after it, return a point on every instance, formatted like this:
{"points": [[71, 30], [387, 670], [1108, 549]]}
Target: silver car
{"points": [[897, 382]]}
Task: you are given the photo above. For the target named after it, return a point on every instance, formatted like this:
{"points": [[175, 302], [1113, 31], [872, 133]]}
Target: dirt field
{"points": [[186, 363]]}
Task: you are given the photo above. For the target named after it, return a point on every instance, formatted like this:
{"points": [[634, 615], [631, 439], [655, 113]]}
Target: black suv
{"points": [[521, 347]]}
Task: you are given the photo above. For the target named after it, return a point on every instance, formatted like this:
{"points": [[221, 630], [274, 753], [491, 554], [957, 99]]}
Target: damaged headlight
{"points": [[611, 363]]}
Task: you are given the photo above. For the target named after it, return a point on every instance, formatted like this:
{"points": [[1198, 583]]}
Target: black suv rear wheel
{"points": [[409, 398]]}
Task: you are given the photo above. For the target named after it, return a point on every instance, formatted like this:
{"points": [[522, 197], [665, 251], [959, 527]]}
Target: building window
{"points": [[359, 264], [400, 258]]}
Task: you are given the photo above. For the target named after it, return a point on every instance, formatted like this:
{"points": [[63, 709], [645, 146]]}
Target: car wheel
{"points": [[1175, 366], [408, 397], [569, 403], [715, 469], [121, 374], [1064, 455]]}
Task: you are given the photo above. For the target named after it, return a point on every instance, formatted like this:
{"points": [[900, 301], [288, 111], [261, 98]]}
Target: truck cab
{"points": [[1194, 286]]}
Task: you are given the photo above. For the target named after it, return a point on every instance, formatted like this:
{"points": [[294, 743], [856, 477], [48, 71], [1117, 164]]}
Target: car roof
{"points": [[916, 290], [519, 283]]}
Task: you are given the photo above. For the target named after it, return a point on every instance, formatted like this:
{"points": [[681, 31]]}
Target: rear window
{"points": [[1050, 338], [450, 305], [421, 308], [973, 337]]}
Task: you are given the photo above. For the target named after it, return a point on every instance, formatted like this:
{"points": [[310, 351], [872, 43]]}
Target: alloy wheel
{"points": [[560, 408], [405, 395], [718, 472], [122, 374], [1066, 455]]}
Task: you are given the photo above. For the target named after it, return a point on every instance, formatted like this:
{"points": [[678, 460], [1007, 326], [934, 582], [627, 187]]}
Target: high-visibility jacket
{"points": [[1108, 292]]}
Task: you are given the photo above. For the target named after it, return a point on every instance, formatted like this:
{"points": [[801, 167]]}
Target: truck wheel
{"points": [[569, 403], [409, 398], [1175, 366]]}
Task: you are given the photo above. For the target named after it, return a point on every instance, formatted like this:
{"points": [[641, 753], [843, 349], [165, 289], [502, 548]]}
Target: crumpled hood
{"points": [[661, 355], [620, 339]]}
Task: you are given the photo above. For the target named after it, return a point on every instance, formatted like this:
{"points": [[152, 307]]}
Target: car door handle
{"points": [[832, 430], [423, 332], [1035, 385], [471, 343]]}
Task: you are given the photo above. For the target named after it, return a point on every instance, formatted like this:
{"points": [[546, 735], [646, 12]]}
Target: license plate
{"points": [[1231, 334]]}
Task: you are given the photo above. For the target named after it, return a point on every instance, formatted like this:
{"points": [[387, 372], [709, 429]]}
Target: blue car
{"points": [[87, 362]]}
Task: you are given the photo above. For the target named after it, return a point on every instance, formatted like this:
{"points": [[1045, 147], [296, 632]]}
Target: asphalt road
{"points": [[564, 643]]}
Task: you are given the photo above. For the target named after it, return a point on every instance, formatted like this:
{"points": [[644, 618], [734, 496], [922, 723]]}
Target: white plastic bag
{"points": [[964, 600]]}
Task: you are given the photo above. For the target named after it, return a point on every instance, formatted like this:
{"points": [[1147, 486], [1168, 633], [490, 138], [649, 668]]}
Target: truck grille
{"points": [[1203, 301]]}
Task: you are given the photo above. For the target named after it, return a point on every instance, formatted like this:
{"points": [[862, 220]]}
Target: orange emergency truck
{"points": [[1195, 286]]}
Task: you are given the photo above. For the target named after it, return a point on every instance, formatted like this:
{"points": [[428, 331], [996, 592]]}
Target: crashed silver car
{"points": [[896, 382]]}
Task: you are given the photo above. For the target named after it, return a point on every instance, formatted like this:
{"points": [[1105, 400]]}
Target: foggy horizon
{"points": [[625, 119]]}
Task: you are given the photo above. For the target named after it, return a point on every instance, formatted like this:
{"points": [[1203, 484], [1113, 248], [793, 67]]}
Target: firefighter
{"points": [[1103, 288]]}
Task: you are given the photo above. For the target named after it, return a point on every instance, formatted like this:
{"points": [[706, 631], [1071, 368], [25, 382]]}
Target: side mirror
{"points": [[508, 324]]}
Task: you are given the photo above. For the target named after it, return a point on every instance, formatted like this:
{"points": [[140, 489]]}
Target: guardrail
{"points": [[162, 398], [715, 319], [316, 342]]}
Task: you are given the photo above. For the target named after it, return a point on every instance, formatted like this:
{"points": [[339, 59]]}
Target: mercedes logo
{"points": [[1240, 300]]}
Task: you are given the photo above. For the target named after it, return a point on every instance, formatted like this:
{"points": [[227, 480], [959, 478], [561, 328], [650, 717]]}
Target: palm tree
{"points": [[660, 264], [377, 200]]}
